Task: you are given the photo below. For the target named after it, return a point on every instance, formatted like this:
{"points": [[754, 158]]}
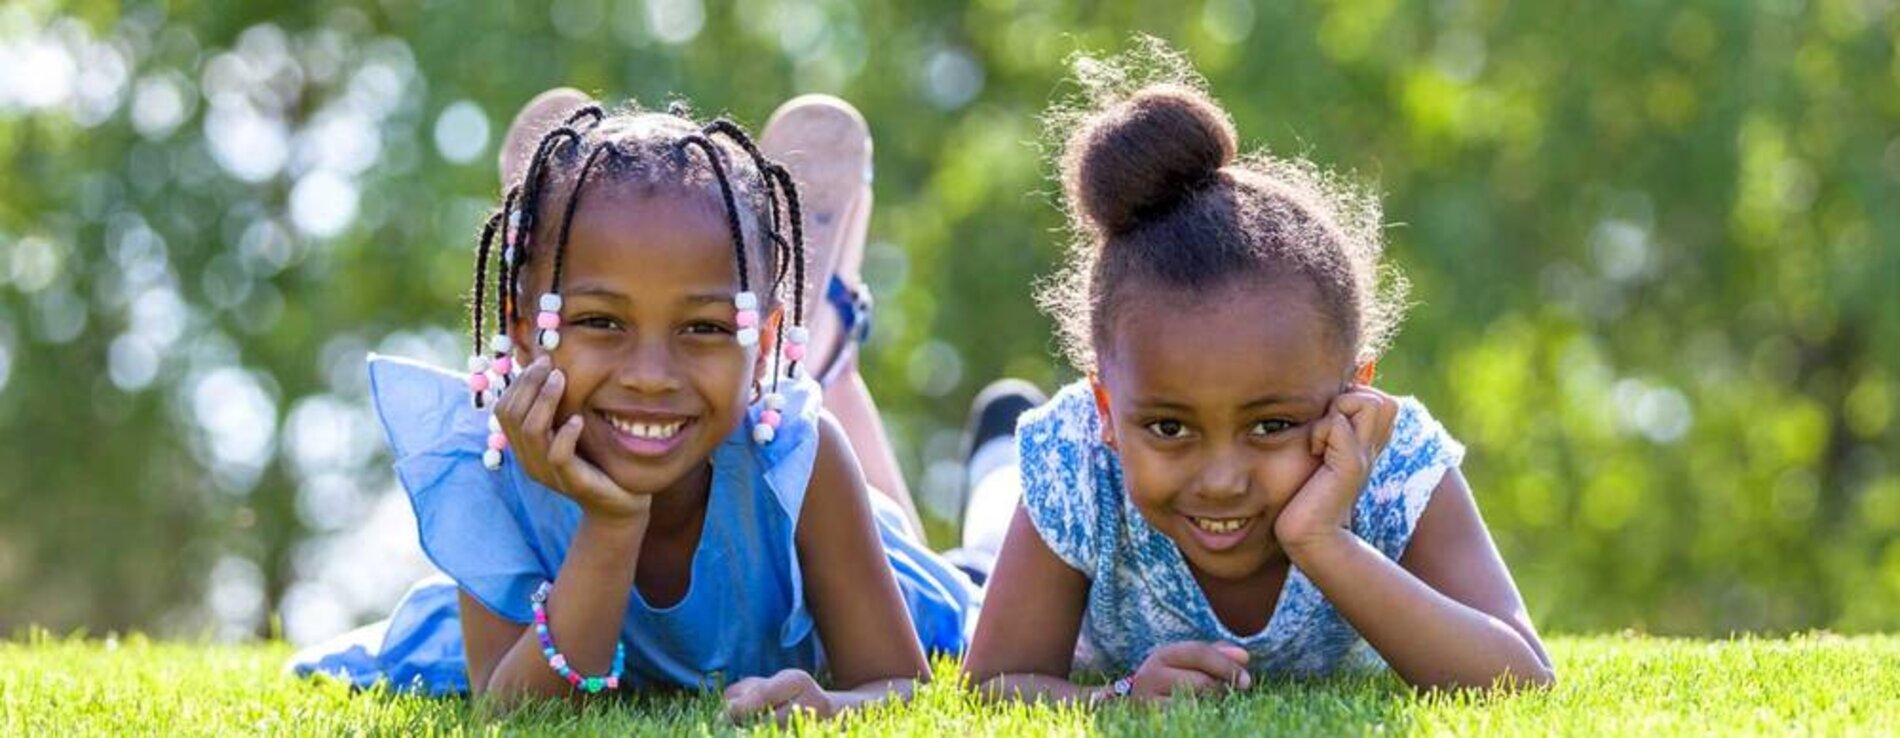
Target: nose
{"points": [[1223, 477], [649, 367]]}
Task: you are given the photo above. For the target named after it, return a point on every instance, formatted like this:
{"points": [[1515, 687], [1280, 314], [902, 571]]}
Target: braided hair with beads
{"points": [[591, 143]]}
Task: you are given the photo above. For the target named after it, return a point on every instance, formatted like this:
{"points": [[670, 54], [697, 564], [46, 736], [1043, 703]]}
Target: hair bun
{"points": [[1145, 154]]}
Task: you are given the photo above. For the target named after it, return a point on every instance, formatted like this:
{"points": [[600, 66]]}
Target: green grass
{"points": [[1630, 685]]}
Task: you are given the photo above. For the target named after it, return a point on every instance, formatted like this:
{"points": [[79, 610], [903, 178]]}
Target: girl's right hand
{"points": [[1188, 667], [549, 455]]}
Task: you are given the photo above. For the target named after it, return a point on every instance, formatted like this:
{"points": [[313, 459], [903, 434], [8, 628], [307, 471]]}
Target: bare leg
{"points": [[827, 146], [850, 400]]}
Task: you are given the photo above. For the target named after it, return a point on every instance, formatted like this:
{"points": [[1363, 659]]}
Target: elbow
{"points": [[1542, 676], [1528, 678], [499, 697], [1539, 674], [1510, 680], [496, 704]]}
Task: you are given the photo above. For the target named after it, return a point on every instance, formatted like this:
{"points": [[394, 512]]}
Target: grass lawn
{"points": [[1627, 685]]}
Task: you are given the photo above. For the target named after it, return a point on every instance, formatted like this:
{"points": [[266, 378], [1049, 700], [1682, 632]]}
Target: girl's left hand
{"points": [[1348, 439], [780, 695]]}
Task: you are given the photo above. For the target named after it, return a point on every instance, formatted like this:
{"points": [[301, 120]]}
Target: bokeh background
{"points": [[1652, 247]]}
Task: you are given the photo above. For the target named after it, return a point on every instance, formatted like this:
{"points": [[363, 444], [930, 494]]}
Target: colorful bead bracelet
{"points": [[558, 662]]}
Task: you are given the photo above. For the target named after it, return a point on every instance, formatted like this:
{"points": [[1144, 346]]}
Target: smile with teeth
{"points": [[647, 431], [1220, 525]]}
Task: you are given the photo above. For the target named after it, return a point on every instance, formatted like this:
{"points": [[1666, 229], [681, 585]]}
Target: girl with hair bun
{"points": [[1227, 497]]}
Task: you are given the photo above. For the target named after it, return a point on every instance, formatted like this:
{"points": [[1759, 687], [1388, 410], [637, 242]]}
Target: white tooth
{"points": [[1224, 525], [645, 430]]}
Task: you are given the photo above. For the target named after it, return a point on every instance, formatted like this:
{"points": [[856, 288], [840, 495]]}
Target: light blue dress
{"points": [[498, 535], [1142, 595]]}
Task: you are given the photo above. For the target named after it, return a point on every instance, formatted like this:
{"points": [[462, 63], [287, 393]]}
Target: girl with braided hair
{"points": [[633, 485]]}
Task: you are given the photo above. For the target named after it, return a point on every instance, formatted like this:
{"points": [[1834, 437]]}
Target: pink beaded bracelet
{"points": [[557, 662]]}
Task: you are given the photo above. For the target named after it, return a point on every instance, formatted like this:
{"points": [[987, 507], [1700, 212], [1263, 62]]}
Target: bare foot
{"points": [[826, 144], [542, 114]]}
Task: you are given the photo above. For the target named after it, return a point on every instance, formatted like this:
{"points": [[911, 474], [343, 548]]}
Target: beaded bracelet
{"points": [[558, 662]]}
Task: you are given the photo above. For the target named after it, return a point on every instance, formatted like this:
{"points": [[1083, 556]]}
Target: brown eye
{"points": [[596, 322], [1270, 427], [1168, 429], [705, 328]]}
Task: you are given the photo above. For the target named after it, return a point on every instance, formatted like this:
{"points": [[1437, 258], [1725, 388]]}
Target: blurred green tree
{"points": [[1650, 244]]}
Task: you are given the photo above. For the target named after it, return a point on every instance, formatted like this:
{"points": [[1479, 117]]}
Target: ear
{"points": [[521, 333], [768, 341], [542, 114], [1101, 409], [1364, 374]]}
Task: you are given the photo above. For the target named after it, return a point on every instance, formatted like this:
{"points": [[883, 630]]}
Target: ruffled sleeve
{"points": [[470, 520], [1063, 491], [787, 461], [785, 465], [1414, 461]]}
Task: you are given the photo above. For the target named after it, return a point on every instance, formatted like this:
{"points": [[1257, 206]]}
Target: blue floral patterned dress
{"points": [[1142, 595]]}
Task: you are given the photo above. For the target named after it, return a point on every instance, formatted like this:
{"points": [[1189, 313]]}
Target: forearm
{"points": [[1430, 639], [585, 611]]}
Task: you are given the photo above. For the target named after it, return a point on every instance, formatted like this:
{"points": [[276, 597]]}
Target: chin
{"points": [[1240, 562], [642, 476], [645, 481], [1229, 566]]}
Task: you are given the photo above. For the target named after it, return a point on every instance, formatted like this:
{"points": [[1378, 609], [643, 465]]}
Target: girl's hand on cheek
{"points": [[1191, 667], [779, 695], [548, 454], [1348, 439]]}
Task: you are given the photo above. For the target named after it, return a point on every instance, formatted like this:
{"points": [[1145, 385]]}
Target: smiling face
{"points": [[1211, 400], [647, 334]]}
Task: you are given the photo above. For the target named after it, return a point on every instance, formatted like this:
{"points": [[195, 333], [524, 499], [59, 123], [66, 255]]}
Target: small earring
{"points": [[1101, 410], [549, 321]]}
